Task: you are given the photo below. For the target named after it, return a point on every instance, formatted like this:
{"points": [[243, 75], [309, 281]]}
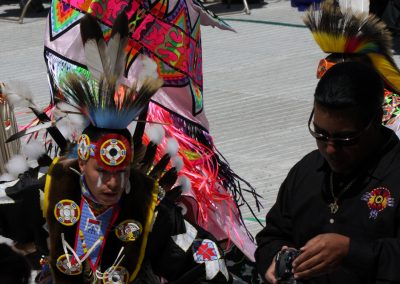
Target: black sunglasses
{"points": [[340, 141]]}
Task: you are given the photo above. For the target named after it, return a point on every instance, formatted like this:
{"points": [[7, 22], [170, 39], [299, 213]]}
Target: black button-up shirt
{"points": [[368, 214]]}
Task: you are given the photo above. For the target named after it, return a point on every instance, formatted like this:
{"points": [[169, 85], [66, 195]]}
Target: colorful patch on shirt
{"points": [[65, 265], [84, 147], [128, 230], [205, 250], [67, 212], [377, 200], [91, 233], [116, 275]]}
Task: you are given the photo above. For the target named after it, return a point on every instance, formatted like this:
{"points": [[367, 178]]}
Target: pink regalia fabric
{"points": [[167, 31]]}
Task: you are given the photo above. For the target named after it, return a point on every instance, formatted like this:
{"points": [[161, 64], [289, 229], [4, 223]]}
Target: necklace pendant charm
{"points": [[334, 207]]}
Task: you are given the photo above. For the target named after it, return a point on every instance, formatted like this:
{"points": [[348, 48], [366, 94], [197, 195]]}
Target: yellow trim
{"points": [[47, 187], [387, 70], [147, 227], [330, 43]]}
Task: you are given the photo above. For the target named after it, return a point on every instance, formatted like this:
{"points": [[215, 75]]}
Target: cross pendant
{"points": [[334, 207]]}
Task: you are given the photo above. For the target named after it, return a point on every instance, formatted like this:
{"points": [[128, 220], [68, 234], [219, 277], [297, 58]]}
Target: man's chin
{"points": [[109, 200], [340, 169]]}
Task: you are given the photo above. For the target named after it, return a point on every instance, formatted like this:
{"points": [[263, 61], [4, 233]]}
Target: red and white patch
{"points": [[67, 212], [113, 152], [205, 250], [68, 267], [116, 275]]}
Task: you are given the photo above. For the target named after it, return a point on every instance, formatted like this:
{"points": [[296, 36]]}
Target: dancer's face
{"points": [[107, 187]]}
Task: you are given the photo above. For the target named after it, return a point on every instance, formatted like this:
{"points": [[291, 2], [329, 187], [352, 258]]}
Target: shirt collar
{"points": [[388, 153]]}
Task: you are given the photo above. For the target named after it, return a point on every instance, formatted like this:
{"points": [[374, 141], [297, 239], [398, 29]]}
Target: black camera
{"points": [[283, 266]]}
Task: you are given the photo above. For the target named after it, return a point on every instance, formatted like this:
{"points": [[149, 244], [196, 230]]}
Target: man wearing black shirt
{"points": [[340, 204]]}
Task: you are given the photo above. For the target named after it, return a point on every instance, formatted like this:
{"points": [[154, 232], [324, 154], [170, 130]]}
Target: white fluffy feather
{"points": [[147, 68], [172, 147], [18, 94], [155, 133], [17, 165], [33, 150], [177, 163], [185, 183], [71, 124]]}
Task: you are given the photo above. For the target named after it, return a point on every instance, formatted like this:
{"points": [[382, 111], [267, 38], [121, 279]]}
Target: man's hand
{"points": [[321, 255], [270, 274]]}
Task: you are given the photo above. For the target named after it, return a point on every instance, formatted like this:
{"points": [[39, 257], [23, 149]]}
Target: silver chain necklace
{"points": [[334, 206]]}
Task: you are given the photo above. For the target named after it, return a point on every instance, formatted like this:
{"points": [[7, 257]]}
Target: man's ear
{"points": [[82, 165]]}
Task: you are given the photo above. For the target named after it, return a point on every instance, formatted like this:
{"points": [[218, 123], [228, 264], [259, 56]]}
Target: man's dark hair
{"points": [[351, 85], [95, 133]]}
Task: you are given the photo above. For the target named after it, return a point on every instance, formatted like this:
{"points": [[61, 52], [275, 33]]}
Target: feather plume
{"points": [[117, 43], [352, 33], [97, 58], [101, 105], [102, 99], [105, 60], [348, 32]]}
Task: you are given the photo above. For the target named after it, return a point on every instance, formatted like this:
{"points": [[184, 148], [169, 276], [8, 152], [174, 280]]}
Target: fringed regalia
{"points": [[8, 126]]}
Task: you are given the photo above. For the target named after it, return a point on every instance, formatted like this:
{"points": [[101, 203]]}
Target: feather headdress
{"points": [[101, 98], [353, 33]]}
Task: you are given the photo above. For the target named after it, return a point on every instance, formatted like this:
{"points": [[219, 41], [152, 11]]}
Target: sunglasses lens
{"points": [[348, 142]]}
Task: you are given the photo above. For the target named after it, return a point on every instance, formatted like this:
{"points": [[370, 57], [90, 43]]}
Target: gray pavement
{"points": [[258, 82]]}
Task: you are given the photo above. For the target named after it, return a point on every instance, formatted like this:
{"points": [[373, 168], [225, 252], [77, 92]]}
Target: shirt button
{"points": [[331, 221]]}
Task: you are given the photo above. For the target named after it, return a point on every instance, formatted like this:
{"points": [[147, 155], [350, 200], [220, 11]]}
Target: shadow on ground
{"points": [[222, 7], [11, 9]]}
